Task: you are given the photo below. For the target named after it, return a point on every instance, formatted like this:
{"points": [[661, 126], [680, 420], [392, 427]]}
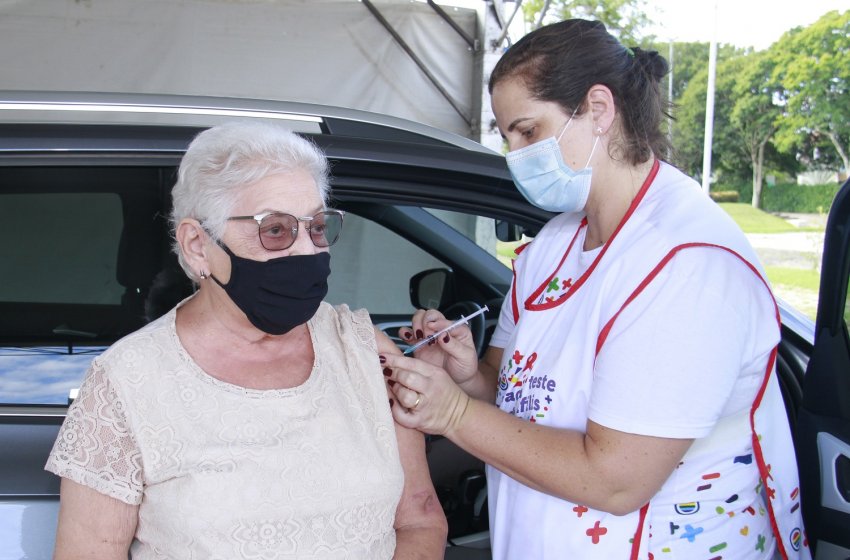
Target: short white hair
{"points": [[221, 160]]}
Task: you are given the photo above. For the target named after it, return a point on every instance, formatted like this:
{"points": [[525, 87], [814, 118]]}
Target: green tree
{"points": [[689, 124], [625, 19], [754, 111], [813, 64], [745, 113]]}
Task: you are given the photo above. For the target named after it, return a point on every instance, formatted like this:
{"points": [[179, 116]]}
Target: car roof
{"points": [[413, 162], [163, 110]]}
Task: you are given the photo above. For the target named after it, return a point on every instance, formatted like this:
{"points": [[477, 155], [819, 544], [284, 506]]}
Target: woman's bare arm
{"points": [[421, 527], [93, 526]]}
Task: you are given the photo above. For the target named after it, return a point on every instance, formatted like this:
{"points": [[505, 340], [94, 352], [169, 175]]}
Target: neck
{"points": [[211, 312], [611, 195]]}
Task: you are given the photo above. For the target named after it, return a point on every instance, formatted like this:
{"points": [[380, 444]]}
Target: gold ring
{"points": [[418, 399]]}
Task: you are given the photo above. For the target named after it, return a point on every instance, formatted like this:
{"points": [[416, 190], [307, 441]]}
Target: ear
{"points": [[602, 109], [192, 240]]}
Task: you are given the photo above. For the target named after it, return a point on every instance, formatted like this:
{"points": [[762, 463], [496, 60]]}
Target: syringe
{"points": [[462, 321]]}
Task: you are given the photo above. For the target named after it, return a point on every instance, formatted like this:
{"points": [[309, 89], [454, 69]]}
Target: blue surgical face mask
{"points": [[543, 178]]}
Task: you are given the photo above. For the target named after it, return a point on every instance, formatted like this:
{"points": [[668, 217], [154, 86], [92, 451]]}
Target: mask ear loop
{"points": [[592, 150], [563, 130]]}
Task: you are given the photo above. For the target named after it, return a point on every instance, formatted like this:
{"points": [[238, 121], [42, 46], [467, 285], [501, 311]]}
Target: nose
{"points": [[303, 245]]}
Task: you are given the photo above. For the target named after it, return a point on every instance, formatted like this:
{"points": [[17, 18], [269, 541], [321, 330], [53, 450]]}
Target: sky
{"points": [[743, 23]]}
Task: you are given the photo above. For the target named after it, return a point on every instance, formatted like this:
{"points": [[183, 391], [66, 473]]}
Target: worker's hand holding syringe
{"points": [[427, 382], [449, 345]]}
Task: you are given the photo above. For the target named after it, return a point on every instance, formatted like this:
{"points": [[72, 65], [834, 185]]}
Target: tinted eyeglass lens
{"points": [[325, 228], [278, 231]]}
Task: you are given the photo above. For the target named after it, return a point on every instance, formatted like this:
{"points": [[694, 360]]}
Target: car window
{"points": [[482, 230], [479, 229], [80, 247], [371, 267], [62, 247]]}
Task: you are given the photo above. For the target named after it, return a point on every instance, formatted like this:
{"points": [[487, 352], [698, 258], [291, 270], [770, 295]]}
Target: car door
{"points": [[823, 425]]}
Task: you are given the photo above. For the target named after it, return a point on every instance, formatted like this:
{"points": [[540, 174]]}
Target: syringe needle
{"points": [[462, 321]]}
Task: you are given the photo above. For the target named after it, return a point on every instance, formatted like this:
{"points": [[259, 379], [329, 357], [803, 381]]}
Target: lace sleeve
{"points": [[95, 447], [362, 325]]}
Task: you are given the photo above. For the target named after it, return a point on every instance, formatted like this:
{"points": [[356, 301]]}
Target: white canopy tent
{"points": [[414, 60]]}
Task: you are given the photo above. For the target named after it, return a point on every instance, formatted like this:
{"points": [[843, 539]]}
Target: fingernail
{"points": [[432, 341], [407, 335], [382, 359], [391, 382], [388, 372], [446, 339], [420, 334]]}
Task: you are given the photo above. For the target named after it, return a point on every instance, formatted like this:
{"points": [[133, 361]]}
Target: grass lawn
{"points": [[753, 220], [795, 277], [798, 286]]}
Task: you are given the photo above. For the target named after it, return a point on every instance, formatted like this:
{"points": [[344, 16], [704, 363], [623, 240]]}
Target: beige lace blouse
{"points": [[222, 472]]}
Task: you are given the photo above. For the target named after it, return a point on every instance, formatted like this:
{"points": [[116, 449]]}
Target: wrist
{"points": [[458, 413]]}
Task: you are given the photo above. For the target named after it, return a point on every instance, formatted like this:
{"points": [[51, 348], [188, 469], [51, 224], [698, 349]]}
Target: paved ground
{"points": [[802, 249]]}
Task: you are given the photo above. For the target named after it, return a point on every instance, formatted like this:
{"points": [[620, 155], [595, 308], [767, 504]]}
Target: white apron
{"points": [[547, 374]]}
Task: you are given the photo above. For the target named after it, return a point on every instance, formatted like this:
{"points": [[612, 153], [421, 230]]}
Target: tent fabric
{"points": [[332, 52]]}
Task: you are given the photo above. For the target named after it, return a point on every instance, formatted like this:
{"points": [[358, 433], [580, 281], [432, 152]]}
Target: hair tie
{"points": [[630, 52]]}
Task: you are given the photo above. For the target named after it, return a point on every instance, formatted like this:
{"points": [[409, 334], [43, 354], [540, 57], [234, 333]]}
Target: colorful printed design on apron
{"points": [[556, 289], [748, 521], [524, 392]]}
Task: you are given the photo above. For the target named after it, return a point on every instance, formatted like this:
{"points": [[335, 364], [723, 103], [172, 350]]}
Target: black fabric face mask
{"points": [[279, 294]]}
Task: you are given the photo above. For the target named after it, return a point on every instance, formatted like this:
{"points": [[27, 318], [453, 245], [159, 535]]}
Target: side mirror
{"points": [[432, 288], [506, 231]]}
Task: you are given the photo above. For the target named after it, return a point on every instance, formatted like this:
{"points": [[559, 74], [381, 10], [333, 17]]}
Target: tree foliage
{"points": [[754, 111], [745, 114], [625, 19], [813, 64]]}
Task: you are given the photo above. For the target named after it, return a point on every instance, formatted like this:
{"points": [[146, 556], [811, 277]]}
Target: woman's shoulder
{"points": [[347, 322], [342, 312], [677, 207], [144, 343]]}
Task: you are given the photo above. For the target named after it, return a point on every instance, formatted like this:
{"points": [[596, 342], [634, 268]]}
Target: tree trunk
{"points": [[758, 174], [845, 161]]}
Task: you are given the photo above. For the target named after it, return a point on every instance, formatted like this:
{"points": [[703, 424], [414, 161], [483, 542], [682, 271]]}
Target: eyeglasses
{"points": [[278, 231]]}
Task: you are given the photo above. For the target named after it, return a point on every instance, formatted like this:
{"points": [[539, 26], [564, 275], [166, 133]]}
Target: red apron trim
{"points": [[514, 303], [521, 248], [529, 302], [757, 450], [636, 540], [762, 465]]}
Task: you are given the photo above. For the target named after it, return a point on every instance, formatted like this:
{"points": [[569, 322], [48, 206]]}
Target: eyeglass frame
{"points": [[260, 217]]}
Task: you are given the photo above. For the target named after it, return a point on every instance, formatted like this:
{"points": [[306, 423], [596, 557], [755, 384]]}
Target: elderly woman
{"points": [[252, 420]]}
